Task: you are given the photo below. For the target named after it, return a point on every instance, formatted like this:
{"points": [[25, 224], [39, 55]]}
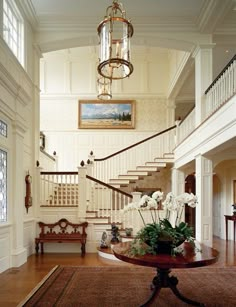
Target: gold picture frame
{"points": [[99, 114]]}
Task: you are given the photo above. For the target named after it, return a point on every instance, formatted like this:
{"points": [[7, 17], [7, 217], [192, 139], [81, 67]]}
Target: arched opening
{"points": [[190, 214]]}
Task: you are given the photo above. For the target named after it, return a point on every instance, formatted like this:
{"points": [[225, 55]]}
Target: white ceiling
{"points": [[137, 8], [169, 24], [202, 15]]}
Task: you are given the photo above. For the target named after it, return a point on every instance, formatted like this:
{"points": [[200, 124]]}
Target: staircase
{"points": [[132, 177], [100, 197]]}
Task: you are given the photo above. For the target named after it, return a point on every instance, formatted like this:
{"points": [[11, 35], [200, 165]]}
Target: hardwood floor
{"points": [[16, 283]]}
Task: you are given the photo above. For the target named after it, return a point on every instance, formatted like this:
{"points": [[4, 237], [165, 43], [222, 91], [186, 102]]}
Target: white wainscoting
{"points": [[5, 260]]}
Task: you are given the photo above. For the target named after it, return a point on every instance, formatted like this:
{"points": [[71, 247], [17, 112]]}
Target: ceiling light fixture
{"points": [[114, 33], [104, 88]]}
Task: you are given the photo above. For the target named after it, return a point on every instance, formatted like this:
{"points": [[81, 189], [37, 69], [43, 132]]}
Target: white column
{"points": [[18, 253], [204, 193], [177, 181], [203, 77], [36, 131], [178, 185]]}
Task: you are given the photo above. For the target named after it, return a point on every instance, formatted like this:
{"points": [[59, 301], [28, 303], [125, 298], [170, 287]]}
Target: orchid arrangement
{"points": [[172, 203], [162, 229]]}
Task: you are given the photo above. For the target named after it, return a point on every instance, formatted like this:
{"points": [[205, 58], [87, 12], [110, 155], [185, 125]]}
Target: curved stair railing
{"points": [[136, 155]]}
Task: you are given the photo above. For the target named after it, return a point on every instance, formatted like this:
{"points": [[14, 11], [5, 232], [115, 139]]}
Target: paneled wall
{"points": [[70, 75], [19, 97]]}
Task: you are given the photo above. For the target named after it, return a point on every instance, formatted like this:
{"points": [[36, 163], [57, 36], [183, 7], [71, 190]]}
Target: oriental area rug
{"points": [[129, 286]]}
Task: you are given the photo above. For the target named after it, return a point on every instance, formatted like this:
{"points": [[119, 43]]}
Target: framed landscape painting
{"points": [[115, 114]]}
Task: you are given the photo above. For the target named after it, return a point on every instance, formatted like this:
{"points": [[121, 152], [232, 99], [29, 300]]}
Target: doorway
{"points": [[190, 213]]}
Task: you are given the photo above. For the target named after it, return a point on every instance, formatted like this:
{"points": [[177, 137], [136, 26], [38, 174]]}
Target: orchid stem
{"points": [[152, 216], [142, 217], [158, 215]]}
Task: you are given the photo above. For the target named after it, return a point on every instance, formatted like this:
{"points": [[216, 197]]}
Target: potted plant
{"points": [[162, 235]]}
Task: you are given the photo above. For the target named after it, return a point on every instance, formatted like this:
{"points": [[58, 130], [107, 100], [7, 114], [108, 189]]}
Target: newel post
{"points": [[37, 189], [82, 172], [92, 164], [177, 136], [89, 186]]}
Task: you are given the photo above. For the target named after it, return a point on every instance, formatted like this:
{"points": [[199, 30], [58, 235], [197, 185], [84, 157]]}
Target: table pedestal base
{"points": [[163, 280]]}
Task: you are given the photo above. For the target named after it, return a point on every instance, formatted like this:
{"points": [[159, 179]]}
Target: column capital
{"points": [[200, 47]]}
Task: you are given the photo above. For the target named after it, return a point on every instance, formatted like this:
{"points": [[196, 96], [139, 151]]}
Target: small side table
{"points": [[163, 263], [230, 218]]}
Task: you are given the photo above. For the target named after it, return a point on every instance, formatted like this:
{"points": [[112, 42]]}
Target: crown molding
{"points": [[27, 8], [212, 14]]}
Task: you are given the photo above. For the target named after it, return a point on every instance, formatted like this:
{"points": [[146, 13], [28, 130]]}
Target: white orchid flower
{"points": [[158, 196], [172, 203], [152, 204], [186, 198]]}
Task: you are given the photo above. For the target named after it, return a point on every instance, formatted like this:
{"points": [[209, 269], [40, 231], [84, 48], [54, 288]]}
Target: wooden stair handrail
{"points": [[59, 173], [135, 144], [109, 186]]}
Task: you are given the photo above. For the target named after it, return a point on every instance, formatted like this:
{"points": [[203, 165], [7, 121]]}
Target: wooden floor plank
{"points": [[16, 283]]}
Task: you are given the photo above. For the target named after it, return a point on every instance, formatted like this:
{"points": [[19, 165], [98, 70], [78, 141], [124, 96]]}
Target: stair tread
{"points": [[122, 181], [127, 176], [166, 160], [147, 167], [160, 164]]}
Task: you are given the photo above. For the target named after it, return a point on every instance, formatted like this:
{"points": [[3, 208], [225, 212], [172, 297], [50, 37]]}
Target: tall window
{"points": [[3, 128], [13, 29], [3, 186]]}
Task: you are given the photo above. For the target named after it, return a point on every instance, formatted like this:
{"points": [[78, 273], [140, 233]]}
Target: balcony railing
{"points": [[222, 89]]}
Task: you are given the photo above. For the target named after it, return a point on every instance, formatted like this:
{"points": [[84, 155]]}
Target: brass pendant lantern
{"points": [[104, 88], [114, 33]]}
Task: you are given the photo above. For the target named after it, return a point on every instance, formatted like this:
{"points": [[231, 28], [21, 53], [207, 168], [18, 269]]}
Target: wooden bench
{"points": [[62, 231]]}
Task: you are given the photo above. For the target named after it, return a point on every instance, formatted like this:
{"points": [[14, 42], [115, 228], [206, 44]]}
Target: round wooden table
{"points": [[189, 258]]}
